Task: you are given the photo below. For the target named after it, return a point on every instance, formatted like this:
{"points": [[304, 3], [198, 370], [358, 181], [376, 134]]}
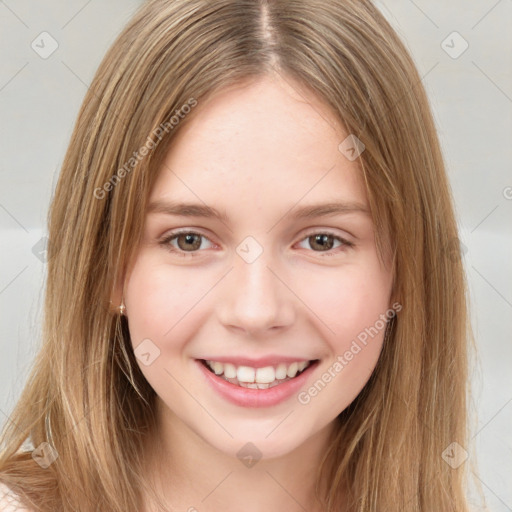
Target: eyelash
{"points": [[166, 242]]}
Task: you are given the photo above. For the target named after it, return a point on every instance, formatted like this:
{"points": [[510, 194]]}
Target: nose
{"points": [[255, 298]]}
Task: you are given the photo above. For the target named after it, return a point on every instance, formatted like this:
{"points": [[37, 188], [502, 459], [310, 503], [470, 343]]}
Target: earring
{"points": [[121, 308]]}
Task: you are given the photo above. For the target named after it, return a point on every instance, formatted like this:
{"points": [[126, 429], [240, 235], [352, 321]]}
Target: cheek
{"points": [[348, 300], [354, 331], [353, 313], [163, 303], [160, 300]]}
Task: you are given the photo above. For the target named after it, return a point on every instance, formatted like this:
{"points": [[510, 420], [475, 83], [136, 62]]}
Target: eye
{"points": [[325, 242], [191, 242], [187, 242]]}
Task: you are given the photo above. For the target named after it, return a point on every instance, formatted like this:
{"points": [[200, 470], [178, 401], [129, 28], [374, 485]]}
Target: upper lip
{"points": [[261, 362]]}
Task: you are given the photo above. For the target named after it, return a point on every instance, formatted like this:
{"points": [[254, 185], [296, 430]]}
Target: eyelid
{"points": [[344, 242], [326, 231], [166, 239]]}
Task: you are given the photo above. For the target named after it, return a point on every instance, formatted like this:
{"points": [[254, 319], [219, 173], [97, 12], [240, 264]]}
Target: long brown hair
{"points": [[86, 396]]}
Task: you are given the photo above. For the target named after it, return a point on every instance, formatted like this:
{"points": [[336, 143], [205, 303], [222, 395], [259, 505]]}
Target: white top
{"points": [[9, 500]]}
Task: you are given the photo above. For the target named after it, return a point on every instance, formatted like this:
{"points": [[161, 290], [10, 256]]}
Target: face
{"points": [[288, 301]]}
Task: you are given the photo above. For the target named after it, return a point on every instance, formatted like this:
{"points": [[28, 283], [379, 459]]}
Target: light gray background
{"points": [[471, 96]]}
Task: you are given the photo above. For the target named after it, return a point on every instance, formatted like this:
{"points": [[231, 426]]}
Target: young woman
{"points": [[253, 298]]}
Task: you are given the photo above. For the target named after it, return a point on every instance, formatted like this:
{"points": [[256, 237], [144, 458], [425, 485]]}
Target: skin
{"points": [[256, 152]]}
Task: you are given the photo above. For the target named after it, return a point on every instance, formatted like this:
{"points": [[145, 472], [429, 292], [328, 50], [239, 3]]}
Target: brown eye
{"points": [[321, 241], [325, 243], [188, 241], [183, 243]]}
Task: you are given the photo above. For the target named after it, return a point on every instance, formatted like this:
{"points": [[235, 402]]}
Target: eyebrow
{"points": [[304, 212]]}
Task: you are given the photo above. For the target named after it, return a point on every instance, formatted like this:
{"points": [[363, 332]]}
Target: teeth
{"points": [[265, 375], [230, 371], [281, 371], [303, 365], [245, 374], [218, 368], [257, 378], [292, 370]]}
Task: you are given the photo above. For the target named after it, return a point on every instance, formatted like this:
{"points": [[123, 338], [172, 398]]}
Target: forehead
{"points": [[262, 144]]}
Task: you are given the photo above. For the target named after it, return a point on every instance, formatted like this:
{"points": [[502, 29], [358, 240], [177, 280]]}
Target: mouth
{"points": [[258, 378]]}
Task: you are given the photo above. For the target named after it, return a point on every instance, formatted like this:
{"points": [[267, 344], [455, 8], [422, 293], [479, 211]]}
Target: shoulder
{"points": [[9, 501]]}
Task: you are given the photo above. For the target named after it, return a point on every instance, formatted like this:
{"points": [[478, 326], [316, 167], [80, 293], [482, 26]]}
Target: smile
{"points": [[257, 378]]}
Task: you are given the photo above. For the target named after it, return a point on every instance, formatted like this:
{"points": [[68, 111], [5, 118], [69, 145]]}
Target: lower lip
{"points": [[247, 397]]}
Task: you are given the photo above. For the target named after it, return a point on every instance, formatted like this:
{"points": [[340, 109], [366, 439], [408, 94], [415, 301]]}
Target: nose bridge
{"points": [[254, 297]]}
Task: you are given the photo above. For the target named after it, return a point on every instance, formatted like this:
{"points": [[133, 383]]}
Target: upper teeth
{"points": [[264, 375]]}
